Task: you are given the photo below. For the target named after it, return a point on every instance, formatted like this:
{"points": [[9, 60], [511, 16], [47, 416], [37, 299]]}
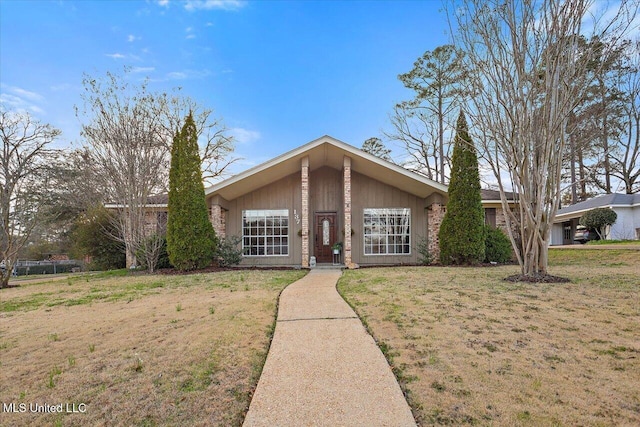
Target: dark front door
{"points": [[325, 236]]}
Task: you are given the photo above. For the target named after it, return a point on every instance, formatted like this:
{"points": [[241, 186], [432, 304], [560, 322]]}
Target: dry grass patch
{"points": [[138, 350], [470, 348]]}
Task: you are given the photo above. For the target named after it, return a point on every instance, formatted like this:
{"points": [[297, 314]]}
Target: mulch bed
{"points": [[538, 278]]}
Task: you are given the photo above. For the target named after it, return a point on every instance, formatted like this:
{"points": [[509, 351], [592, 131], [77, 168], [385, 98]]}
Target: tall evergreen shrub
{"points": [[461, 235], [191, 240]]}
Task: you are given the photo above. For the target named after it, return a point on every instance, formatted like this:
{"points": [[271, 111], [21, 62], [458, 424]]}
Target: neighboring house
{"points": [[626, 227], [299, 204]]}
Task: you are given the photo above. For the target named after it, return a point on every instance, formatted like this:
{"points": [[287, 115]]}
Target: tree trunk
{"points": [[583, 176], [574, 184], [441, 134], [605, 139]]}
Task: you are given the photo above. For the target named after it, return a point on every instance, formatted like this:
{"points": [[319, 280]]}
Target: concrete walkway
{"points": [[323, 369]]}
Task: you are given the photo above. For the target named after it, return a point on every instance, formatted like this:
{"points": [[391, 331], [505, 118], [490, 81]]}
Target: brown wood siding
{"points": [[285, 193], [369, 193]]}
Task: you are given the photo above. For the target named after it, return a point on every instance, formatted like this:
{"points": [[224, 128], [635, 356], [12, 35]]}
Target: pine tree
{"points": [[462, 230], [191, 240]]}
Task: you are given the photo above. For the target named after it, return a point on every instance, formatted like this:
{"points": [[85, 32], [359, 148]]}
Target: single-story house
{"points": [[293, 209], [626, 227]]}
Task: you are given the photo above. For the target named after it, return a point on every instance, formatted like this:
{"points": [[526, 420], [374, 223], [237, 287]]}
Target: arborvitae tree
{"points": [[191, 240], [462, 231]]}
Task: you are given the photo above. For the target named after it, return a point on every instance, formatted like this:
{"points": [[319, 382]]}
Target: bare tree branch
{"points": [[527, 76], [22, 173], [128, 132]]}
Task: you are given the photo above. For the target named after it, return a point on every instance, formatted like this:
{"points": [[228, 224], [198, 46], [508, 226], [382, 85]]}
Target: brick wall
{"points": [[347, 213], [218, 218], [305, 212], [435, 214], [501, 221]]}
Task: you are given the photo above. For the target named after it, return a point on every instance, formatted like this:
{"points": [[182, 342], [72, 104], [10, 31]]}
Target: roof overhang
{"points": [[326, 151]]}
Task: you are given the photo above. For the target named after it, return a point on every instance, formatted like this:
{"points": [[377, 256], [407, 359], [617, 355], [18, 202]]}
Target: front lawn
{"points": [[137, 350], [472, 349]]}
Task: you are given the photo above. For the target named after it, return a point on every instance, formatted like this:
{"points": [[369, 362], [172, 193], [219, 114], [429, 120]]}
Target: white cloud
{"points": [[10, 100], [131, 38], [19, 104], [191, 5], [142, 69], [118, 56], [183, 75], [36, 109], [163, 3], [176, 75], [32, 96], [244, 136], [189, 31]]}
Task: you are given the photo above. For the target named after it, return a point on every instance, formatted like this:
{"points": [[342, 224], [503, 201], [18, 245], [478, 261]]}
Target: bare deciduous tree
{"points": [[419, 135], [22, 173], [216, 145], [127, 147], [527, 76], [128, 133]]}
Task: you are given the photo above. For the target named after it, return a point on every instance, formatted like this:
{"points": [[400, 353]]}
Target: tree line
{"points": [[551, 90], [52, 200], [602, 133]]}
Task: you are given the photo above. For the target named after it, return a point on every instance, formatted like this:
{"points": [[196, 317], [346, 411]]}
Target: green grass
{"points": [[119, 285], [613, 242], [473, 349]]}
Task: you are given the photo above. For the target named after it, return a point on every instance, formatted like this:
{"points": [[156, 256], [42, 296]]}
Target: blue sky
{"points": [[279, 73]]}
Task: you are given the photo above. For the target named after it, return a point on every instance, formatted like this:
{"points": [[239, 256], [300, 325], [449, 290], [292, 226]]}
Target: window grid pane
{"points": [[387, 231], [265, 232]]}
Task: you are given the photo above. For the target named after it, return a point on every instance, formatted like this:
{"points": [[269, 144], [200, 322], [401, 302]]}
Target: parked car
{"points": [[583, 235]]}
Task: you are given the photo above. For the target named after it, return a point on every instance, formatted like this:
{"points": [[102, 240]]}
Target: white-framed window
{"points": [[387, 231], [265, 232]]}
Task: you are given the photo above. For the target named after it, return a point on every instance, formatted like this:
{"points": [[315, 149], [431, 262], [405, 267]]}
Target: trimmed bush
{"points": [[229, 251], [497, 246], [423, 250]]}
